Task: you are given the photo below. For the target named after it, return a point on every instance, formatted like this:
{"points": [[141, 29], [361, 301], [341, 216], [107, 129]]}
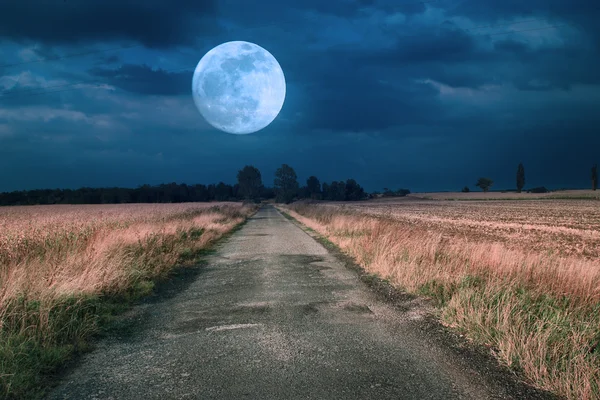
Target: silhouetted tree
{"points": [[235, 191], [539, 189], [267, 192], [223, 192], [466, 189], [285, 184], [333, 191], [353, 191], [338, 191], [595, 177], [250, 182], [313, 187], [303, 192], [484, 184], [326, 191], [520, 177], [211, 191], [200, 193]]}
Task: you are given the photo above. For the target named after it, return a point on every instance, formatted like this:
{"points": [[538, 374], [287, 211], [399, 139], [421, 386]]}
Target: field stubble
{"points": [[522, 278], [560, 227], [65, 269]]}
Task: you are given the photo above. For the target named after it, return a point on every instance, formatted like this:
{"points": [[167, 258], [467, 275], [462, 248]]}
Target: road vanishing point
{"points": [[272, 314]]}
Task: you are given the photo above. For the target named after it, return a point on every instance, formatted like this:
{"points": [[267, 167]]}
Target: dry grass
{"points": [[58, 262], [539, 313]]}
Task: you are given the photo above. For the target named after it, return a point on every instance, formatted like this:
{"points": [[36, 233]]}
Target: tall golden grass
{"points": [[539, 314], [58, 262]]}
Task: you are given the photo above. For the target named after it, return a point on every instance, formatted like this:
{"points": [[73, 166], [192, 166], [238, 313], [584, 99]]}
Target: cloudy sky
{"points": [[394, 93]]}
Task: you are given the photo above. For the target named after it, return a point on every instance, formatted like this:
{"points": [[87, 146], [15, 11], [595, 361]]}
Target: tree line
{"points": [[249, 187]]}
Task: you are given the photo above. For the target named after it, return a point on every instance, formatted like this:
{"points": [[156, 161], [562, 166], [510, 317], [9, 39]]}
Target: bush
{"points": [[540, 189]]}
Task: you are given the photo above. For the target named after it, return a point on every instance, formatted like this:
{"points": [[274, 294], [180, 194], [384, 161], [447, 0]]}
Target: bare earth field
{"points": [[519, 277], [562, 227], [64, 269], [559, 194]]}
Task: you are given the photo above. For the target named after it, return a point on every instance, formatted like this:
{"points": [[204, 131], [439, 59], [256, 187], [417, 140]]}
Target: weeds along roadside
{"points": [[58, 289], [539, 315]]}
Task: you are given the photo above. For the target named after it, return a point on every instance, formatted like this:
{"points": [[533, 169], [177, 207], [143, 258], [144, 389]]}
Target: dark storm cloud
{"points": [[154, 23], [354, 98], [142, 79], [112, 59], [508, 8], [394, 93], [364, 103], [349, 8], [582, 14], [456, 76], [447, 46], [457, 58], [335, 7]]}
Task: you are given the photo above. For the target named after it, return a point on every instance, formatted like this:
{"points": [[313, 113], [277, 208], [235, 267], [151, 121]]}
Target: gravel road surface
{"points": [[273, 315]]}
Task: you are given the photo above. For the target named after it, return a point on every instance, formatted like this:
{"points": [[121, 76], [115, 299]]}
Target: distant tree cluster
{"points": [[349, 190], [249, 187], [539, 189], [287, 188], [387, 192], [164, 193]]}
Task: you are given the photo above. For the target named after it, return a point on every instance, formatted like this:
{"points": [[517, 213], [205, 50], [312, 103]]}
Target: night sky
{"points": [[393, 93]]}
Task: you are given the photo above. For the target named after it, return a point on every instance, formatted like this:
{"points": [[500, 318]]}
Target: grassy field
{"points": [[522, 278], [64, 270]]}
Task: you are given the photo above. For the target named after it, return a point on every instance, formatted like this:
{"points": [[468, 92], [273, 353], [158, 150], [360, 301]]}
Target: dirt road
{"points": [[274, 315]]}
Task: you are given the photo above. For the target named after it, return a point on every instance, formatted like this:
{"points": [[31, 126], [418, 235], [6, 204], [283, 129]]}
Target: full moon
{"points": [[238, 87]]}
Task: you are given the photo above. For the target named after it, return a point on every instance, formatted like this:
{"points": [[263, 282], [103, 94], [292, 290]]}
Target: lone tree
{"points": [[484, 184], [466, 189], [250, 182], [595, 177], [326, 192], [314, 187], [286, 184], [520, 177]]}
